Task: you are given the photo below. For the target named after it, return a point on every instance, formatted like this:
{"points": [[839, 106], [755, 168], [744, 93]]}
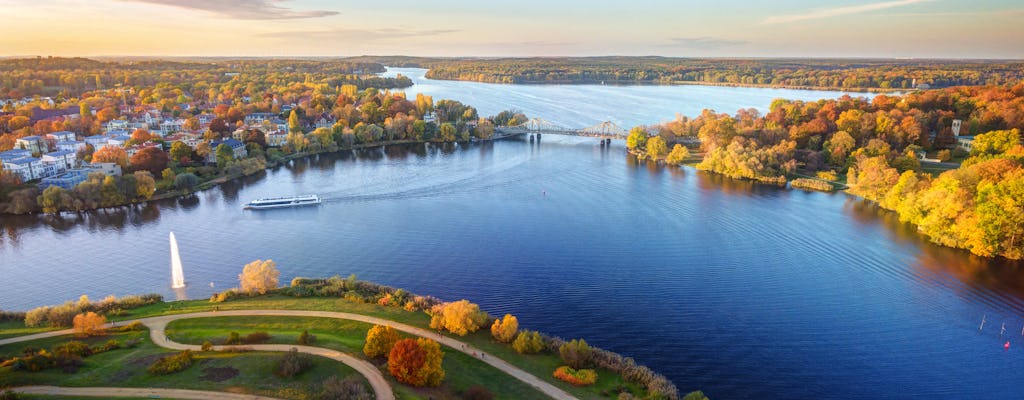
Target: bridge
{"points": [[537, 126]]}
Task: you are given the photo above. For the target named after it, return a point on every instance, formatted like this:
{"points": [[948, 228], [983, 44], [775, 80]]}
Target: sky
{"points": [[488, 28]]}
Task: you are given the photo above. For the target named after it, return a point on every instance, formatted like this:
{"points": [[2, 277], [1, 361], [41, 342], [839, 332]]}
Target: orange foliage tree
{"points": [[111, 154], [151, 159], [460, 317], [504, 329], [416, 362], [89, 324]]}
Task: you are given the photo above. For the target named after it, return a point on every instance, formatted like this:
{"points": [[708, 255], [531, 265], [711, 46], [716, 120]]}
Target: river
{"points": [[737, 289]]}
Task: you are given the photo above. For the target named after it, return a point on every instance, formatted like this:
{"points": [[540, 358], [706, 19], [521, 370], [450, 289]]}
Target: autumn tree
{"points": [[528, 342], [576, 353], [180, 152], [416, 362], [678, 155], [139, 136], [460, 317], [55, 198], [89, 324], [111, 154], [637, 138], [504, 329], [872, 177], [151, 159], [225, 155], [259, 277], [379, 340], [838, 148], [294, 126], [995, 142], [145, 184], [656, 147]]}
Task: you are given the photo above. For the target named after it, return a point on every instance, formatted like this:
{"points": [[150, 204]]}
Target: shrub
{"points": [[528, 342], [89, 324], [697, 395], [73, 347], [236, 349], [11, 316], [460, 317], [256, 338], [207, 346], [131, 343], [942, 155], [576, 354], [812, 184], [477, 392], [292, 363], [108, 346], [233, 338], [582, 377], [9, 395], [504, 329], [133, 326], [379, 340], [349, 388], [827, 175], [305, 338], [172, 363]]}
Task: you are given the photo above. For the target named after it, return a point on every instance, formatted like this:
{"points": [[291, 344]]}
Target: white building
{"points": [[34, 144], [28, 168], [967, 142], [116, 125], [61, 136], [62, 160], [74, 145]]}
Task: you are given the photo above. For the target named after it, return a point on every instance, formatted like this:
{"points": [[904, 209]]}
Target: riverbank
{"points": [[284, 316], [687, 83]]}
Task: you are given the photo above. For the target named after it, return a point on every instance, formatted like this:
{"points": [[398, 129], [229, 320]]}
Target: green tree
{"points": [[448, 132], [187, 181], [224, 155]]}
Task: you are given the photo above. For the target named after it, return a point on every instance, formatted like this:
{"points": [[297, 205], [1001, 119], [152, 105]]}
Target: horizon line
{"points": [[936, 58]]}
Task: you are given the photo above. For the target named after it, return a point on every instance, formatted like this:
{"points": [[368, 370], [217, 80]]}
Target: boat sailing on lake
{"points": [[282, 202]]}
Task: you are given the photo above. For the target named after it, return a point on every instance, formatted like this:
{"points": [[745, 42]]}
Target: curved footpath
{"points": [[158, 325], [136, 392]]}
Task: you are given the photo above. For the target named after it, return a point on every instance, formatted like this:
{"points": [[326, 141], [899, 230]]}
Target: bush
{"points": [[349, 388], [131, 327], [812, 184], [827, 175], [9, 395], [698, 395], [73, 347], [172, 363], [306, 339], [108, 346], [504, 329], [477, 392], [576, 354], [582, 377], [64, 314], [207, 346], [528, 342], [292, 363], [89, 324], [379, 340], [233, 338], [11, 316], [256, 338]]}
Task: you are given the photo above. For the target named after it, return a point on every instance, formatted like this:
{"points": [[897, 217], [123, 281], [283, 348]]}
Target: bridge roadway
{"points": [[604, 130]]}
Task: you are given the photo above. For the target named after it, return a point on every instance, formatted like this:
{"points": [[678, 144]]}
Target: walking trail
{"points": [[158, 325]]}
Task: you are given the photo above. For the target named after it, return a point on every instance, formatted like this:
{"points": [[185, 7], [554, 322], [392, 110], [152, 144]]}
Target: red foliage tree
{"points": [[405, 361], [151, 159]]}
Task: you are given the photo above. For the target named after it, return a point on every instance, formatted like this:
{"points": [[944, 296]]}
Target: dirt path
{"points": [[135, 392]]}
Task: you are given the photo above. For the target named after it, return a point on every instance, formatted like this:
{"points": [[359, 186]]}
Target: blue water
{"points": [[740, 290]]}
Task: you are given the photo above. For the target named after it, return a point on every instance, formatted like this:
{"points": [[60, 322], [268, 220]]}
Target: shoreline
{"points": [[690, 83]]}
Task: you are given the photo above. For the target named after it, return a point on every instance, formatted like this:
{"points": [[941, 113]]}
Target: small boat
{"points": [[283, 202]]}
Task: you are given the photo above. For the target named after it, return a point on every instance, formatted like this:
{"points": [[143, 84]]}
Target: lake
{"points": [[737, 289]]}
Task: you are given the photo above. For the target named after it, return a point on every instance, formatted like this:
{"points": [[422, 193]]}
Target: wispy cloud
{"points": [[361, 35], [704, 43], [838, 11], [243, 9]]}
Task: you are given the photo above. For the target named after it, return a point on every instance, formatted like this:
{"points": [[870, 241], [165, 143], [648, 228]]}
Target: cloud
{"points": [[361, 35], [834, 12], [242, 9], [704, 43]]}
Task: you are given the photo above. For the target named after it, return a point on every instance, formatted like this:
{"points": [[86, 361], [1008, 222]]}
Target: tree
{"points": [[873, 177], [55, 198], [140, 136], [187, 181], [111, 154], [259, 277], [224, 155], [448, 132], [995, 142], [505, 329], [294, 126], [151, 159], [292, 363], [528, 342], [838, 148], [145, 184], [460, 317], [220, 127], [349, 388], [678, 155], [637, 138], [379, 340], [484, 129], [416, 362], [656, 147], [181, 152], [89, 324], [576, 353]]}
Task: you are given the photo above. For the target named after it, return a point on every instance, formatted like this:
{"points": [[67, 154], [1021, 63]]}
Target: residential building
{"points": [[34, 144], [205, 119], [110, 169], [276, 138], [61, 136], [967, 142], [171, 126], [236, 146], [62, 159], [131, 150], [118, 140], [14, 154], [324, 121], [116, 125], [258, 118], [28, 168], [73, 145], [97, 141], [39, 114], [67, 180]]}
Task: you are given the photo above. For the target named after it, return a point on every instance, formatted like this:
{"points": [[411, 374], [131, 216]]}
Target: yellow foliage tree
{"points": [[505, 329], [460, 317], [656, 147], [89, 324], [679, 154], [431, 373], [259, 276], [379, 340]]}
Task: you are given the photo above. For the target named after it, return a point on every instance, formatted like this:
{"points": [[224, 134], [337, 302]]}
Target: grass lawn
{"points": [[18, 328], [461, 371], [250, 372]]}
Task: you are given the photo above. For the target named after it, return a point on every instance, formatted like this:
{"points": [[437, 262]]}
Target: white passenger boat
{"points": [[282, 202]]}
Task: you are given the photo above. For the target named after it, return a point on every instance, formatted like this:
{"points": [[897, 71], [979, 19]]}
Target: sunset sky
{"points": [[801, 28]]}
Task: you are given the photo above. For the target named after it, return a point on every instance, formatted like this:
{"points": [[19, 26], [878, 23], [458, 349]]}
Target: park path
{"points": [[135, 392], [158, 325]]}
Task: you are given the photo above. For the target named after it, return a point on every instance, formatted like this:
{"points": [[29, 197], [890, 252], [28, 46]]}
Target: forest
{"points": [[878, 143], [846, 74]]}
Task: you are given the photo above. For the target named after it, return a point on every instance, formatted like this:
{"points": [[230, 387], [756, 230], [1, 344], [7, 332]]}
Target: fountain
{"points": [[177, 276]]}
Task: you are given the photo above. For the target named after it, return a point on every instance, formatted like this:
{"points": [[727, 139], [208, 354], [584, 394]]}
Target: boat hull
{"points": [[289, 205]]}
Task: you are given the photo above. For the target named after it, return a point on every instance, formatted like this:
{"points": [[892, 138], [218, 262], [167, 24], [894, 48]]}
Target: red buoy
{"points": [[1007, 345]]}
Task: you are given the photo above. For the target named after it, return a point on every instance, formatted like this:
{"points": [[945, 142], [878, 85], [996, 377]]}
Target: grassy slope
{"points": [[127, 368]]}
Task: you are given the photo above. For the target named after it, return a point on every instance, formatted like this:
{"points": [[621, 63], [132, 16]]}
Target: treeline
{"points": [[824, 73], [878, 143]]}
